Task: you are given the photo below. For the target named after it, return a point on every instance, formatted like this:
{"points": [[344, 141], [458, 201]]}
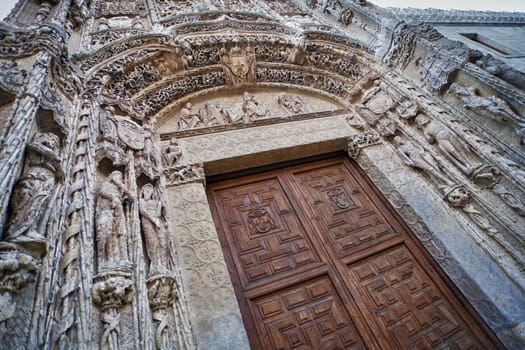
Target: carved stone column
{"points": [[163, 298], [111, 291]]}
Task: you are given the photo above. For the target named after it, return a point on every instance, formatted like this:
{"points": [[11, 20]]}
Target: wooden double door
{"points": [[319, 260]]}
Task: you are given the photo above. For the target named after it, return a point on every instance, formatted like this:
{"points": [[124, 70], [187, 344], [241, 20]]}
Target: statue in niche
{"points": [[188, 119], [34, 191], [108, 124], [171, 154], [110, 221], [491, 107], [171, 63], [153, 228], [251, 108], [417, 157], [147, 158], [292, 104], [450, 145]]}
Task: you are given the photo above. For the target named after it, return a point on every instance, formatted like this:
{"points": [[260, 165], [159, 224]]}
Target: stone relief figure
{"points": [[292, 104], [34, 191], [111, 223], [449, 144], [153, 228], [108, 124], [171, 154], [251, 108], [417, 157], [501, 70], [188, 119], [491, 107]]}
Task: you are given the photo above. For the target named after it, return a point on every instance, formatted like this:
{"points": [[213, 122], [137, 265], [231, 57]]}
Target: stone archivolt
{"points": [[158, 70]]}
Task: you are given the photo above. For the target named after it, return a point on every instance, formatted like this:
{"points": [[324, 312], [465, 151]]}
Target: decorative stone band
{"points": [[360, 141]]}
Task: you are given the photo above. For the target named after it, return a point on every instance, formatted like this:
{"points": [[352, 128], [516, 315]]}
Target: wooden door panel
{"points": [[267, 239], [323, 262], [343, 211], [310, 315], [392, 289]]}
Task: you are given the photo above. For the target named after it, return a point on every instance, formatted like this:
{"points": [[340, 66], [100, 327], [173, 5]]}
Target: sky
{"points": [[499, 5]]}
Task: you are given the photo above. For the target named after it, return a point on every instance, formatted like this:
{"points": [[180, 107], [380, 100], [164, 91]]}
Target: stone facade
{"points": [[114, 112]]}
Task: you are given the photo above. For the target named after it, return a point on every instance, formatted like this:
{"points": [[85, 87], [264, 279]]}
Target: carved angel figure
{"points": [[450, 145], [110, 219], [151, 213], [34, 190]]}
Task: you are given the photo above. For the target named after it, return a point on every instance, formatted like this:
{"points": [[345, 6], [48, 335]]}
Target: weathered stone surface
{"points": [[113, 114]]}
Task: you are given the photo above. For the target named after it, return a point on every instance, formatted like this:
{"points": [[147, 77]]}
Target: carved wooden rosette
{"points": [[112, 290]]}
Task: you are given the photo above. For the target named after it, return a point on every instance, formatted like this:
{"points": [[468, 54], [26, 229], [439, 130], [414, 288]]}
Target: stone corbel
{"points": [[360, 141]]}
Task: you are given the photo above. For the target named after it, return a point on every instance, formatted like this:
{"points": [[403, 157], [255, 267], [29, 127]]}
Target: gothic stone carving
{"points": [[111, 291], [17, 270], [360, 141], [154, 228], [33, 193], [239, 65], [491, 107], [177, 175], [111, 225]]}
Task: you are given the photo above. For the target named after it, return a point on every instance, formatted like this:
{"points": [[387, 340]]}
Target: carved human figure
{"points": [[252, 109], [171, 154], [450, 145], [491, 107], [34, 190], [502, 70], [188, 119], [108, 124], [111, 226], [292, 104], [417, 157], [151, 218]]}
